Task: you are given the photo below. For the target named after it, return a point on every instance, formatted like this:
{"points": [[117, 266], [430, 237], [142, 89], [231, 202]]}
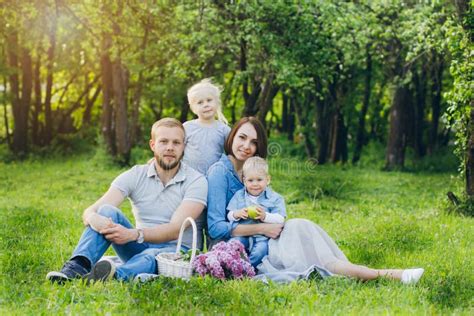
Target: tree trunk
{"points": [[288, 117], [107, 126], [469, 163], [323, 120], [20, 133], [120, 84], [419, 112], [377, 123], [48, 130], [395, 155], [251, 107], [360, 137], [66, 87], [86, 117], [337, 144], [157, 112], [35, 127], [462, 9], [302, 114], [250, 98], [291, 121], [135, 124], [338, 138], [266, 99], [284, 112], [5, 112], [233, 107], [436, 88], [12, 53], [65, 114]]}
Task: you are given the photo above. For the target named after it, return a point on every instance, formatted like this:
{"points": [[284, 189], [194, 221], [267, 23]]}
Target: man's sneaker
{"points": [[102, 271], [412, 276], [70, 270]]}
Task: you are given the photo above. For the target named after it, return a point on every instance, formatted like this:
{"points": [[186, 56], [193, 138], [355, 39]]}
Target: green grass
{"points": [[378, 219]]}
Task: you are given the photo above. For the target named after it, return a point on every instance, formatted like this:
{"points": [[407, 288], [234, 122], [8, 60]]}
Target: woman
{"points": [[302, 245]]}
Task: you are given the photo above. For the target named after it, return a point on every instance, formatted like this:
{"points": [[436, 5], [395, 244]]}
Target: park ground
{"points": [[380, 219]]}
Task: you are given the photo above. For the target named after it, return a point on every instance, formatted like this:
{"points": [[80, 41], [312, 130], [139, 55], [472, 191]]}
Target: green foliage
{"points": [[460, 97], [314, 51]]}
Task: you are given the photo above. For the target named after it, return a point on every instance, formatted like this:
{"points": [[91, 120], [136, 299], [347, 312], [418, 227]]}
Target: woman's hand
{"points": [[272, 230], [241, 214], [118, 234]]}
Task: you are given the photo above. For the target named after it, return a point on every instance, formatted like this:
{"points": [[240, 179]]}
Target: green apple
{"points": [[252, 211]]}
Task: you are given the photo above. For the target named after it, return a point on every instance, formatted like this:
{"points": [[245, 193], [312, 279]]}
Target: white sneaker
{"points": [[412, 276]]}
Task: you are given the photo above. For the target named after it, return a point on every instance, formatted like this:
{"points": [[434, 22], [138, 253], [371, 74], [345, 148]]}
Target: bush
{"points": [[463, 206]]}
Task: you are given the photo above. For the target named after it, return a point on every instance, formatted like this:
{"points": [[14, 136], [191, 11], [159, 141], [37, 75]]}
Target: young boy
{"points": [[254, 203]]}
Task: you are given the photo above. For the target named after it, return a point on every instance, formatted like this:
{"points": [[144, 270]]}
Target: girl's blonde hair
{"points": [[207, 85]]}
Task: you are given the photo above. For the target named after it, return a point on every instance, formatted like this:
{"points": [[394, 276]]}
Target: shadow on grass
{"points": [[455, 290], [305, 187], [374, 248]]}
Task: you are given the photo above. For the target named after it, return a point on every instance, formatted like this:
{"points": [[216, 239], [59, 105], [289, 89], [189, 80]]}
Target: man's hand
{"points": [[118, 234], [272, 230], [241, 214]]}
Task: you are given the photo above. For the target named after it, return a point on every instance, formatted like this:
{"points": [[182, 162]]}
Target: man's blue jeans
{"points": [[257, 248], [137, 258]]}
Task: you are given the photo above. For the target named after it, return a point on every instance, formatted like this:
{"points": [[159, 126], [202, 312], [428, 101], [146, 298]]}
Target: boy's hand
{"points": [[241, 214], [261, 214]]}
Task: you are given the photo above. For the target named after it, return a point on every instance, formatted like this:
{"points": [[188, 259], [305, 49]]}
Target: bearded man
{"points": [[163, 193]]}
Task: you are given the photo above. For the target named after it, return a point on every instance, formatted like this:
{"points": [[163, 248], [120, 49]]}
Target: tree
{"points": [[459, 34]]}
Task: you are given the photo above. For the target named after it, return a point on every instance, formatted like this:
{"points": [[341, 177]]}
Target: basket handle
{"points": [[193, 224]]}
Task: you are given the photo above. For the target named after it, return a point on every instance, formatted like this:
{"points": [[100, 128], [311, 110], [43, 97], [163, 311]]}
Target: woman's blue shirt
{"points": [[223, 182]]}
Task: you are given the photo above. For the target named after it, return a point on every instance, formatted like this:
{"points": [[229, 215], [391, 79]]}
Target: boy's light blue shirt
{"points": [[269, 200]]}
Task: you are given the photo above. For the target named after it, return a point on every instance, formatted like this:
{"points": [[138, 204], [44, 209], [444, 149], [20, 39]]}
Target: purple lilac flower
{"points": [[225, 260], [248, 269], [214, 267], [237, 269]]}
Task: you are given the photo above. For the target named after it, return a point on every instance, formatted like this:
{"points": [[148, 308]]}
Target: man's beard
{"points": [[166, 166]]}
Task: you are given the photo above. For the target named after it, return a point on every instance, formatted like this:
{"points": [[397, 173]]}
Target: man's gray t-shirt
{"points": [[154, 204], [204, 144]]}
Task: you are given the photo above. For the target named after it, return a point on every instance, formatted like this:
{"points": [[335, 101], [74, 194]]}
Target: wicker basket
{"points": [[171, 264]]}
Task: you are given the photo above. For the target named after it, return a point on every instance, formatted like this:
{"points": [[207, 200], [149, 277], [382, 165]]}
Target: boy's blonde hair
{"points": [[166, 122], [255, 164], [214, 90]]}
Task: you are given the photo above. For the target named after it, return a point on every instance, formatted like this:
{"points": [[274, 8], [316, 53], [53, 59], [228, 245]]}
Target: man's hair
{"points": [[255, 164], [262, 140], [166, 122]]}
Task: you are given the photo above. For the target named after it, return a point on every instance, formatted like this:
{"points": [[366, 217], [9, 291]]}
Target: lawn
{"points": [[378, 219]]}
